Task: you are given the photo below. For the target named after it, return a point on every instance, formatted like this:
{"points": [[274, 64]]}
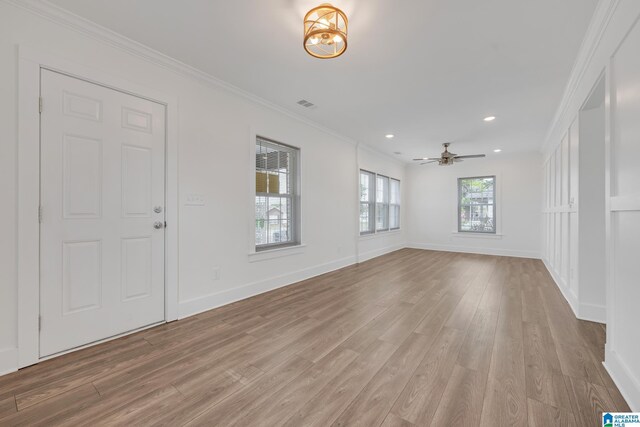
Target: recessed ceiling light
{"points": [[397, 152], [389, 136], [489, 119], [497, 150]]}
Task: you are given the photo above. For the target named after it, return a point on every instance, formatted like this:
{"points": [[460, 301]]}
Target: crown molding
{"points": [[81, 25], [597, 27]]}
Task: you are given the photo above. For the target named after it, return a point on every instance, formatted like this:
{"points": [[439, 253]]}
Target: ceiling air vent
{"points": [[305, 103]]}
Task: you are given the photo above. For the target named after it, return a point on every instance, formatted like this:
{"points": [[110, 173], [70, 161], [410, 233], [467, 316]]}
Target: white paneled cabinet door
{"points": [[102, 213]]}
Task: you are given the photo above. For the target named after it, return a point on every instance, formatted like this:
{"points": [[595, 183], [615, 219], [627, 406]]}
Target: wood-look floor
{"points": [[410, 338]]}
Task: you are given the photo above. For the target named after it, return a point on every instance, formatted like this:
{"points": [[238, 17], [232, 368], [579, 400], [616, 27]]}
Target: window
{"points": [[367, 202], [277, 200], [477, 204], [382, 203], [394, 204], [379, 203]]}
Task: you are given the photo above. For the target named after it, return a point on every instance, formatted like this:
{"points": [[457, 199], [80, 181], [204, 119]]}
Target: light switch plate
{"points": [[195, 200]]}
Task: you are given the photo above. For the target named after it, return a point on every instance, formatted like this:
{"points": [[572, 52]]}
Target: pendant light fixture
{"points": [[325, 32]]}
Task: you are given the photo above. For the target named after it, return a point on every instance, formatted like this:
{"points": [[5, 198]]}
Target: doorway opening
{"points": [[592, 196]]}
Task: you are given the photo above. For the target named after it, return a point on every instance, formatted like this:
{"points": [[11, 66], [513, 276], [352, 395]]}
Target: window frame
{"points": [[374, 230], [394, 204], [494, 204], [293, 196], [371, 203]]}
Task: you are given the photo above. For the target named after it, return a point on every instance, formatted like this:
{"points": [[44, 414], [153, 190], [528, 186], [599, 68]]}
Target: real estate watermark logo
{"points": [[620, 419]]}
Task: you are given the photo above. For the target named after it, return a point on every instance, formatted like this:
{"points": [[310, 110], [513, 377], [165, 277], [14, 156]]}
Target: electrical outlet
{"points": [[216, 273]]}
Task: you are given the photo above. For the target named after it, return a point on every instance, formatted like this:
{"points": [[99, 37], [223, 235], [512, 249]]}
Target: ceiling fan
{"points": [[447, 158]]}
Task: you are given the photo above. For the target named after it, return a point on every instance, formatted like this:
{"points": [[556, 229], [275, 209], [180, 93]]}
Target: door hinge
{"points": [[40, 214], [40, 105], [39, 323], [165, 224]]}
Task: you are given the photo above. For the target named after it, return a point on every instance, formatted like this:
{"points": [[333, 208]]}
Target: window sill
{"points": [[476, 235], [379, 234], [276, 253]]}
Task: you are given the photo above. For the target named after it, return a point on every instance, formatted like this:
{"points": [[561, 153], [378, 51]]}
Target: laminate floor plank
{"points": [[461, 403], [588, 401], [466, 309], [393, 420], [544, 415], [8, 406], [230, 410], [545, 381], [478, 343], [373, 403], [576, 362], [505, 399], [278, 408], [421, 396], [56, 408], [372, 331], [324, 407]]}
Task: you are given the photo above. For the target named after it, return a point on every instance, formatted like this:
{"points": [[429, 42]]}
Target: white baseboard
{"points": [[593, 312], [568, 294], [627, 383], [365, 256], [8, 360], [583, 311], [211, 301], [475, 250]]}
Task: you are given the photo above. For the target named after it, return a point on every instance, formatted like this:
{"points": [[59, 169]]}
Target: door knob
{"points": [[157, 225]]}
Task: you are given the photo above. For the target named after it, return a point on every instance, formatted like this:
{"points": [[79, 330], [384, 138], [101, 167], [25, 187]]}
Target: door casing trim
{"points": [[30, 62]]}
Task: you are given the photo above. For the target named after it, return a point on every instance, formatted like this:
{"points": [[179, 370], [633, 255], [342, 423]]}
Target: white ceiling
{"points": [[427, 71]]}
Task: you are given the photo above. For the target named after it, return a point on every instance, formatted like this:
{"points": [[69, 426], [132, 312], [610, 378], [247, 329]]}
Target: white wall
{"points": [[215, 125], [432, 203], [611, 47], [373, 245]]}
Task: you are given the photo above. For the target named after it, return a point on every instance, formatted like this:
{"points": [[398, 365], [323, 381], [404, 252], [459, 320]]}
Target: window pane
{"points": [[364, 218], [394, 216], [261, 217], [476, 201], [365, 186], [394, 192], [382, 189], [382, 216]]}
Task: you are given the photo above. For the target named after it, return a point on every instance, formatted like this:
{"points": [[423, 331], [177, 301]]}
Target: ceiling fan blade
{"points": [[471, 156], [430, 161], [426, 158]]}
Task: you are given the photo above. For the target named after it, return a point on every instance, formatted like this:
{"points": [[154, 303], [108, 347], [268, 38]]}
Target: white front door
{"points": [[102, 196]]}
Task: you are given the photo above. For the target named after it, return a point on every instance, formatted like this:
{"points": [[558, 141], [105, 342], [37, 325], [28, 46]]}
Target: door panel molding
{"points": [[31, 61]]}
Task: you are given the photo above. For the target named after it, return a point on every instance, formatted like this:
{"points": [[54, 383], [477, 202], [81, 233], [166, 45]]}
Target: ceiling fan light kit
{"points": [[325, 32], [447, 158]]}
